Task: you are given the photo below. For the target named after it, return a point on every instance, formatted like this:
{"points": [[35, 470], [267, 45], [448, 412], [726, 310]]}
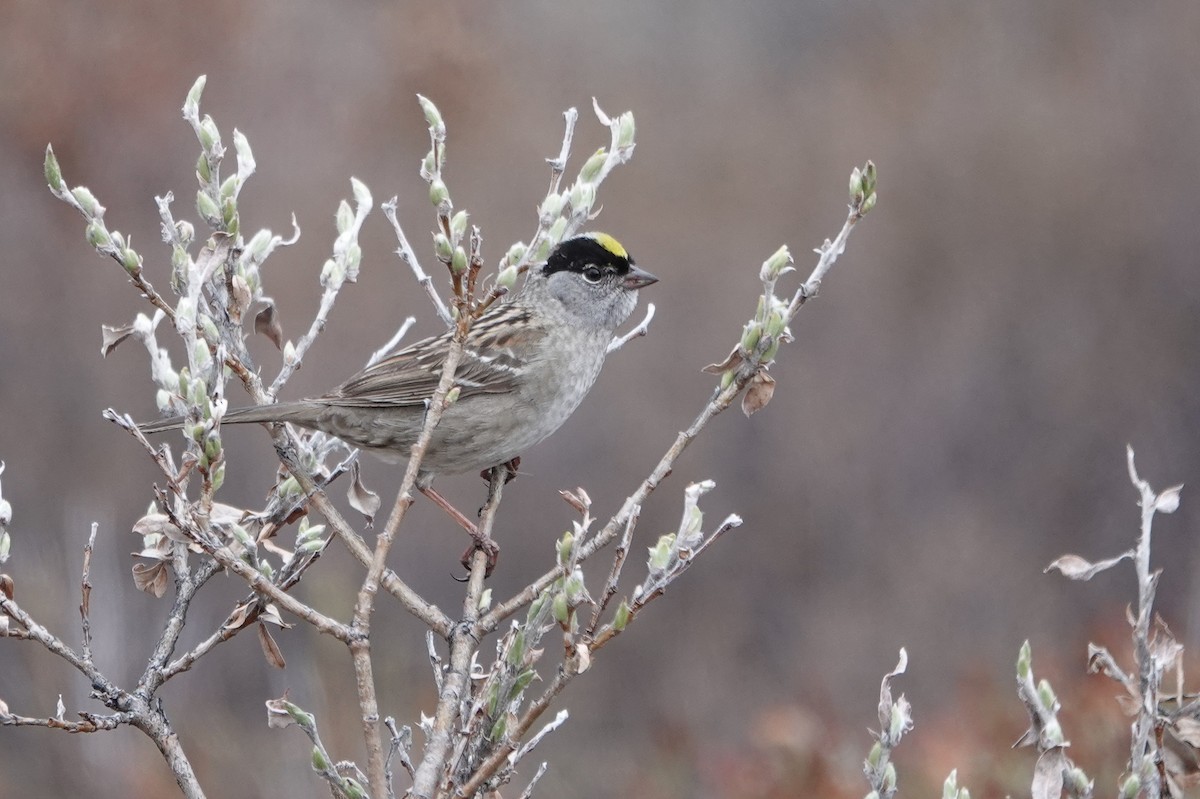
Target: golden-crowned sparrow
{"points": [[526, 366]]}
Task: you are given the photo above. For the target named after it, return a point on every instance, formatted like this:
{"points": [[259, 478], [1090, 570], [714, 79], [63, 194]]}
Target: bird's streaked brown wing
{"points": [[493, 356]]}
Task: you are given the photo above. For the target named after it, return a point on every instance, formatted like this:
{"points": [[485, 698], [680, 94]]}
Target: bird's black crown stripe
{"points": [[576, 254]]}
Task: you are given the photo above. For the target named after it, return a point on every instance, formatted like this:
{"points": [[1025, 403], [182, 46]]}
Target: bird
{"points": [[527, 364]]}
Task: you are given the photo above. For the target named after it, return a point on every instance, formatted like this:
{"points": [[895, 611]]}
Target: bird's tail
{"points": [[298, 412]]}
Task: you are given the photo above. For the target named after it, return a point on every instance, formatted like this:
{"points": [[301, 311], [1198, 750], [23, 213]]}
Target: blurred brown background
{"points": [[953, 415]]}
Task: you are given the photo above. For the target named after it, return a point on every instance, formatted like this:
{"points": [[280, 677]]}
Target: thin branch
{"points": [[614, 575], [85, 594], [405, 251], [642, 329]]}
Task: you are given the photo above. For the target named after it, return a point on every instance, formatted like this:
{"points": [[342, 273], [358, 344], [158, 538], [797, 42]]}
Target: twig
{"points": [[614, 575], [85, 591], [642, 329], [405, 251], [387, 349]]}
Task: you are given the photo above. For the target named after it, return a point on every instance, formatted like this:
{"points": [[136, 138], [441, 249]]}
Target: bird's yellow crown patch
{"points": [[609, 243]]}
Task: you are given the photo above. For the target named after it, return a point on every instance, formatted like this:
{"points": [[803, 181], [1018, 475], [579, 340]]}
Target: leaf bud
{"points": [[592, 166], [438, 193], [52, 171], [87, 202]]}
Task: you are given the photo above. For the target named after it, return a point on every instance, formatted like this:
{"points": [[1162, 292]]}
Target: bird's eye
{"points": [[592, 274]]}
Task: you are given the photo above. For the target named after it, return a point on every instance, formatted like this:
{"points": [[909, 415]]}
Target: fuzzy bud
{"points": [[458, 225], [88, 203], [207, 208], [776, 265], [507, 277], [551, 207], [592, 166], [458, 262], [433, 117], [52, 171], [442, 248], [438, 193], [209, 136], [625, 130], [98, 236], [565, 545]]}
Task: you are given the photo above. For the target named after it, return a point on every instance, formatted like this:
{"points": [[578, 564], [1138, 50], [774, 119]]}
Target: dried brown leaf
{"points": [[245, 613], [111, 336], [1074, 567], [1048, 774], [239, 297], [271, 613], [270, 648], [362, 499], [732, 361], [278, 716], [758, 393], [151, 578], [267, 323], [7, 587], [577, 499]]}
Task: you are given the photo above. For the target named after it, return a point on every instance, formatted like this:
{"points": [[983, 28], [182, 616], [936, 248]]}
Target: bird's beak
{"points": [[638, 279]]}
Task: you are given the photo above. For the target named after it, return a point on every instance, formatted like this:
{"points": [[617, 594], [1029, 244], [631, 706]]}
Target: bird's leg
{"points": [[480, 541]]}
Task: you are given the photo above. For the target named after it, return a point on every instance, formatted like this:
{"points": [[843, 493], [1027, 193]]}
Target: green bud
{"points": [[867, 204], [458, 225], [558, 229], [229, 213], [621, 617], [856, 184], [452, 395], [1078, 780], [191, 105], [507, 277], [499, 728], [565, 545], [1046, 694], [218, 477], [776, 265], [770, 352], [230, 186], [442, 248], [330, 272], [200, 393], [198, 432], [660, 553], [543, 248], [207, 208], [458, 263], [52, 171], [515, 253], [726, 379], [776, 322], [438, 193], [344, 217], [875, 755], [551, 207], [212, 447], [535, 608], [319, 763], [203, 170], [516, 649], [1130, 787], [209, 136], [493, 700], [97, 236], [353, 789], [889, 777], [872, 795], [288, 487], [427, 165], [87, 202], [184, 380], [963, 793], [131, 261], [562, 608], [522, 682], [1053, 732], [353, 262], [433, 117], [1024, 661], [591, 167], [184, 231], [869, 177], [625, 130]]}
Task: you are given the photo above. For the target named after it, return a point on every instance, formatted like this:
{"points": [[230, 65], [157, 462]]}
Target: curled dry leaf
{"points": [[362, 499], [111, 336], [266, 322], [244, 614], [7, 587], [278, 716], [577, 499], [271, 613], [732, 361], [1076, 568], [758, 393], [151, 578], [270, 648], [240, 298]]}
